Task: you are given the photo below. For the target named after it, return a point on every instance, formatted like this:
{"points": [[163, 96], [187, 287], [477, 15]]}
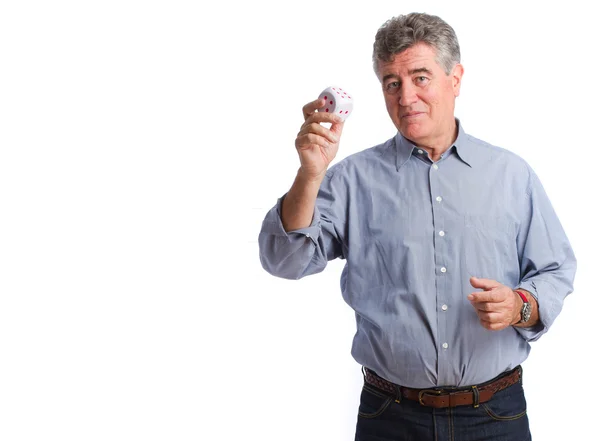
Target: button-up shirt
{"points": [[412, 233]]}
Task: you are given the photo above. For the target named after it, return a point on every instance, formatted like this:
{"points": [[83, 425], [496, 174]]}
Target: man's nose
{"points": [[408, 95]]}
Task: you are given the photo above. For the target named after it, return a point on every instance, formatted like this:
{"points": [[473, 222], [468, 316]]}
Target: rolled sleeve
{"points": [[548, 264], [545, 311], [298, 253]]}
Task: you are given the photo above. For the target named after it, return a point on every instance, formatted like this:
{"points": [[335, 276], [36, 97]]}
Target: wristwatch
{"points": [[525, 309]]}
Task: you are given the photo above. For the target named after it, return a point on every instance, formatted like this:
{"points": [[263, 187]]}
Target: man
{"points": [[455, 259]]}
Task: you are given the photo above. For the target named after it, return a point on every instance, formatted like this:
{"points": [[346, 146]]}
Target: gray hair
{"points": [[401, 32]]}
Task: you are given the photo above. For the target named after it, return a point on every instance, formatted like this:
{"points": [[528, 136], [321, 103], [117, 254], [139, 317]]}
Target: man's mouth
{"points": [[412, 114]]}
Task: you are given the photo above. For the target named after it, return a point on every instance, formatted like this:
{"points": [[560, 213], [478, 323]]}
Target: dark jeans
{"points": [[503, 418]]}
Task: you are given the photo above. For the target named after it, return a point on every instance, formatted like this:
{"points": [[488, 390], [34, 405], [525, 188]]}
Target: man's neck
{"points": [[437, 147]]}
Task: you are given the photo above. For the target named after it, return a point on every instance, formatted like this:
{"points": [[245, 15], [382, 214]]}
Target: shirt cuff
{"points": [[275, 226], [534, 332]]}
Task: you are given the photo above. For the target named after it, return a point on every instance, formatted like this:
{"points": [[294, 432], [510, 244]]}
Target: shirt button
{"points": [[444, 307], [439, 199], [420, 151], [435, 166], [445, 346], [442, 233], [443, 269], [308, 235]]}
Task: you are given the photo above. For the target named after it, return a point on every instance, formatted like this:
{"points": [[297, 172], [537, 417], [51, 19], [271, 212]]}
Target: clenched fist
{"points": [[498, 306]]}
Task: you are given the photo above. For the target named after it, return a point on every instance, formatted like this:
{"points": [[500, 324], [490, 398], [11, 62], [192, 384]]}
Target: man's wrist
{"points": [[525, 310], [519, 306]]}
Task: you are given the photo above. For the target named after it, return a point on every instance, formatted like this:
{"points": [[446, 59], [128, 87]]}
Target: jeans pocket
{"points": [[507, 405], [373, 402]]}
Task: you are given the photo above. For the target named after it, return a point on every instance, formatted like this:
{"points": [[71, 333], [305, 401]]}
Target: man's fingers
{"points": [[484, 283], [491, 317], [486, 296], [337, 126], [311, 116], [323, 117], [493, 307], [310, 139], [485, 306], [492, 326], [317, 129], [309, 108]]}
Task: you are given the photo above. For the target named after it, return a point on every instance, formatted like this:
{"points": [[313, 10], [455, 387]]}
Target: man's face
{"points": [[419, 96]]}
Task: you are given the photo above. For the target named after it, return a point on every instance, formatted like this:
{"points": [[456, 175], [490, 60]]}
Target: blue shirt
{"points": [[412, 233]]}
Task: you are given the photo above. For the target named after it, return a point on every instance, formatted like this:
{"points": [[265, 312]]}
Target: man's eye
{"points": [[393, 85], [422, 79]]}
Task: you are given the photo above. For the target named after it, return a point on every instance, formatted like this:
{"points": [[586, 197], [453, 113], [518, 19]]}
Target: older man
{"points": [[455, 259]]}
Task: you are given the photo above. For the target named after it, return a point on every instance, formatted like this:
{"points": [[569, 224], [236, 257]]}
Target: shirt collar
{"points": [[465, 149], [462, 145]]}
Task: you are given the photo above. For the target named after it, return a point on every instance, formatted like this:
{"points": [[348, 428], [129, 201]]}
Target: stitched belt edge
{"points": [[440, 398]]}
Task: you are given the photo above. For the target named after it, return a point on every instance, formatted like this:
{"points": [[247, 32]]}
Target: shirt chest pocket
{"points": [[490, 225], [388, 217], [489, 246]]}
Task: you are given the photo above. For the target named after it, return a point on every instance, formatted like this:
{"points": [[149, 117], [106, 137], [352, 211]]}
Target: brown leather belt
{"points": [[447, 397]]}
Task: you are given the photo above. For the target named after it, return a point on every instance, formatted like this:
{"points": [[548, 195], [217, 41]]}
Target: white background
{"points": [[141, 144]]}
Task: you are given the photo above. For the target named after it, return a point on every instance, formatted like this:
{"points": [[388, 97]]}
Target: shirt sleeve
{"points": [[547, 261], [298, 253]]}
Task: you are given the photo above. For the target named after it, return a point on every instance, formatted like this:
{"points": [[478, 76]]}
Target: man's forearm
{"points": [[298, 206]]}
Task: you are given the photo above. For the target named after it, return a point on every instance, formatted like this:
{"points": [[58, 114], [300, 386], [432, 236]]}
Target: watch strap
{"points": [[522, 295]]}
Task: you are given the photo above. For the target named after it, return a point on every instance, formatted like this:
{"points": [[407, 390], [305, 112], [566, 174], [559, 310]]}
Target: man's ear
{"points": [[456, 74]]}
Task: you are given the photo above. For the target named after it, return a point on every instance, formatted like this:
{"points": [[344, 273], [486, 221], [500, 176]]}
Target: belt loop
{"points": [[475, 397], [521, 373], [398, 394]]}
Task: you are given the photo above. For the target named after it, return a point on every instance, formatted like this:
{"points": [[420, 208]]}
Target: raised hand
{"points": [[317, 145]]}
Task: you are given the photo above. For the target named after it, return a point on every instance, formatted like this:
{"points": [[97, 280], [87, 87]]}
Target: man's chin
{"points": [[412, 131]]}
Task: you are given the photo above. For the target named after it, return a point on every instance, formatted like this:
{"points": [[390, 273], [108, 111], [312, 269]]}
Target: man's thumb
{"points": [[485, 284]]}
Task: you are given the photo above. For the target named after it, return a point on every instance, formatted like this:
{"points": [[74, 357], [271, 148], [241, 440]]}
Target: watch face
{"points": [[526, 312]]}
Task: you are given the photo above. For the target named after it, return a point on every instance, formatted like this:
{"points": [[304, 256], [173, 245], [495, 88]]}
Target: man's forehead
{"points": [[409, 59]]}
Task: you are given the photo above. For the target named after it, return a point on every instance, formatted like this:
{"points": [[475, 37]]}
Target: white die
{"points": [[338, 101]]}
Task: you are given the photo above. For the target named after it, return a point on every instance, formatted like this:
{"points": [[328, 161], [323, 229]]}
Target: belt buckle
{"points": [[427, 391]]}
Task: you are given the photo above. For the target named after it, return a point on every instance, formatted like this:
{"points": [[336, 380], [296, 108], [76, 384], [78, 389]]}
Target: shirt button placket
{"points": [[440, 262]]}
